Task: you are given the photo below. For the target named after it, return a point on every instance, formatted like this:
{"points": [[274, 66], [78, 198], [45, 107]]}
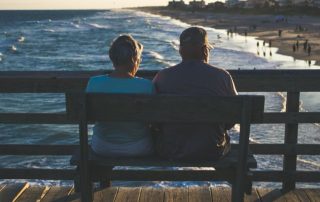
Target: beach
{"points": [[295, 30]]}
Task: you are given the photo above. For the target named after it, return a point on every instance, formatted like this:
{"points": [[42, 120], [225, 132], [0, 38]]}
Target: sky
{"points": [[79, 4]]}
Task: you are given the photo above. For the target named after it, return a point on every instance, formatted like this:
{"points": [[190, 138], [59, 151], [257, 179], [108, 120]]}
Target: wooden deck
{"points": [[27, 193]]}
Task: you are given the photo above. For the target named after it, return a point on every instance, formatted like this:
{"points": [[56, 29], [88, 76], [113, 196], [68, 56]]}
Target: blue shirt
{"points": [[120, 132]]}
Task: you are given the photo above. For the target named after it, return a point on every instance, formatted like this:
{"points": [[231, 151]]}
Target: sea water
{"points": [[79, 40]]}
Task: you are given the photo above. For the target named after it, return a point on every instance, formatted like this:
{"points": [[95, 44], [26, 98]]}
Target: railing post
{"points": [[291, 138]]}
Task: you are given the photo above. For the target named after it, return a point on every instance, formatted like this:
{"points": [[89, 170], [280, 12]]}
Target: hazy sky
{"points": [[78, 4]]}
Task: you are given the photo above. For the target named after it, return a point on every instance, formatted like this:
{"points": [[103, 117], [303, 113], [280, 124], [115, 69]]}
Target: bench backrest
{"points": [[165, 108]]}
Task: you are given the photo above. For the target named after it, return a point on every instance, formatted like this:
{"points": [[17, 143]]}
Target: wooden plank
{"points": [[151, 194], [57, 194], [35, 118], [245, 80], [289, 197], [128, 194], [273, 149], [301, 194], [199, 194], [291, 117], [221, 194], [170, 108], [252, 197], [227, 161], [28, 173], [33, 193], [267, 195], [22, 149], [12, 191], [291, 137], [313, 194], [106, 195], [176, 195]]}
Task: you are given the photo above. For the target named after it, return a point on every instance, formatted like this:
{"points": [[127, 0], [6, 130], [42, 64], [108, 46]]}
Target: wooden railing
{"points": [[291, 81]]}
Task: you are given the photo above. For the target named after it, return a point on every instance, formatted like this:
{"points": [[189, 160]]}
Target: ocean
{"points": [[79, 40]]}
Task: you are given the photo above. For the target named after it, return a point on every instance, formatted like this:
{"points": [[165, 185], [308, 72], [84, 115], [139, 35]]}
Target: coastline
{"points": [[264, 27]]}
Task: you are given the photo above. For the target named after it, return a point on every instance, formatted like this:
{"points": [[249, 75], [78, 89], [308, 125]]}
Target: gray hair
{"points": [[125, 50]]}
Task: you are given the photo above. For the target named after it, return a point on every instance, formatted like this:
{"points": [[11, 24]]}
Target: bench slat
{"points": [[164, 108], [228, 161]]}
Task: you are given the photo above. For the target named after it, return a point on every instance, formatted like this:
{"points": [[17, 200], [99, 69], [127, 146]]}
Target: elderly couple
{"points": [[193, 76]]}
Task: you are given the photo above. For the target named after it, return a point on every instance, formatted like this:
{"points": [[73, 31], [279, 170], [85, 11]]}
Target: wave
{"points": [[175, 44], [49, 30], [21, 39], [13, 49], [95, 25]]}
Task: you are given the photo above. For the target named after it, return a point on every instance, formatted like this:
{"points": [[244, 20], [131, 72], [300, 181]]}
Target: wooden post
{"points": [[238, 186], [291, 138], [85, 178]]}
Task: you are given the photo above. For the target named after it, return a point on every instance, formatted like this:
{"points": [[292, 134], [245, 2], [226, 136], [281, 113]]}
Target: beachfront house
{"points": [[296, 2], [217, 4], [260, 3], [176, 4], [232, 3], [197, 4]]}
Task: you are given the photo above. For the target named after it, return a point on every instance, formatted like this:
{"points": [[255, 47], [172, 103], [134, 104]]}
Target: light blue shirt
{"points": [[120, 132]]}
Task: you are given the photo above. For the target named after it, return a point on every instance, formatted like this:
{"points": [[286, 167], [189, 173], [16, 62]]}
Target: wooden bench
{"points": [[234, 168]]}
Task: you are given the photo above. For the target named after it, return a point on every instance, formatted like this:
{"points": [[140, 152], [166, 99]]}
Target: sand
{"points": [[266, 28]]}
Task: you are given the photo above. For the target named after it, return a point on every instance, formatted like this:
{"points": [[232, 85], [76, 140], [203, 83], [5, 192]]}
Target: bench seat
{"points": [[230, 160]]}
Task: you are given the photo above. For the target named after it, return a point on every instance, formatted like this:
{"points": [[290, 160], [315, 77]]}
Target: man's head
{"points": [[194, 44], [125, 53]]}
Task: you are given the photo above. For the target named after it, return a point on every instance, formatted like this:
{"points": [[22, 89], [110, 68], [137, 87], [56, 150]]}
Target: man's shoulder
{"points": [[216, 70]]}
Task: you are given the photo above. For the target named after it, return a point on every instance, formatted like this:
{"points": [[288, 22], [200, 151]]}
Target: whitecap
{"points": [[21, 39], [49, 30], [94, 25], [156, 55], [13, 48]]}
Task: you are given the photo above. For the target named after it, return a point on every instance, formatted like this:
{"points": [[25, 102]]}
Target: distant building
{"points": [[197, 4], [316, 3], [260, 3], [296, 2], [232, 3], [217, 4], [176, 4]]}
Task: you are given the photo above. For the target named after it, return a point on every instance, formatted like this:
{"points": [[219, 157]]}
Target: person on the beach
{"points": [[305, 45], [297, 44], [294, 47], [270, 43], [280, 33], [118, 139], [194, 76], [309, 50]]}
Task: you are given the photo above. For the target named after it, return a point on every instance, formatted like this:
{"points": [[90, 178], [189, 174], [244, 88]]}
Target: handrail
{"points": [[291, 81]]}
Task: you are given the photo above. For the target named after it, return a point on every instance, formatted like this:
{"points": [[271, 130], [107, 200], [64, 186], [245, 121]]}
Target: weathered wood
{"points": [[175, 195], [267, 195], [313, 194], [245, 80], [57, 194], [199, 194], [12, 191], [151, 194], [20, 149], [28, 173], [106, 195], [33, 193], [169, 108], [301, 195], [291, 117], [288, 149], [220, 194], [291, 137], [34, 118], [278, 176], [227, 161], [253, 197], [128, 195]]}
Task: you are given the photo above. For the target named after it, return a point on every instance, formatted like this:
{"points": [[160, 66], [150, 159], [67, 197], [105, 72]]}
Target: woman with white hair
{"points": [[118, 139]]}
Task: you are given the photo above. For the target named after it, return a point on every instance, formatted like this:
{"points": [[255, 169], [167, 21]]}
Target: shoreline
{"points": [[263, 27]]}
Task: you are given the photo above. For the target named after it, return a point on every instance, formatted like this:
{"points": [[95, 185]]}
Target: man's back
{"points": [[197, 140]]}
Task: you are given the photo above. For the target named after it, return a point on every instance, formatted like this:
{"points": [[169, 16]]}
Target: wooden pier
{"points": [[27, 193]]}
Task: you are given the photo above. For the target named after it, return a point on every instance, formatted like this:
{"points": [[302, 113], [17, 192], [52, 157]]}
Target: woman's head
{"points": [[125, 53]]}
